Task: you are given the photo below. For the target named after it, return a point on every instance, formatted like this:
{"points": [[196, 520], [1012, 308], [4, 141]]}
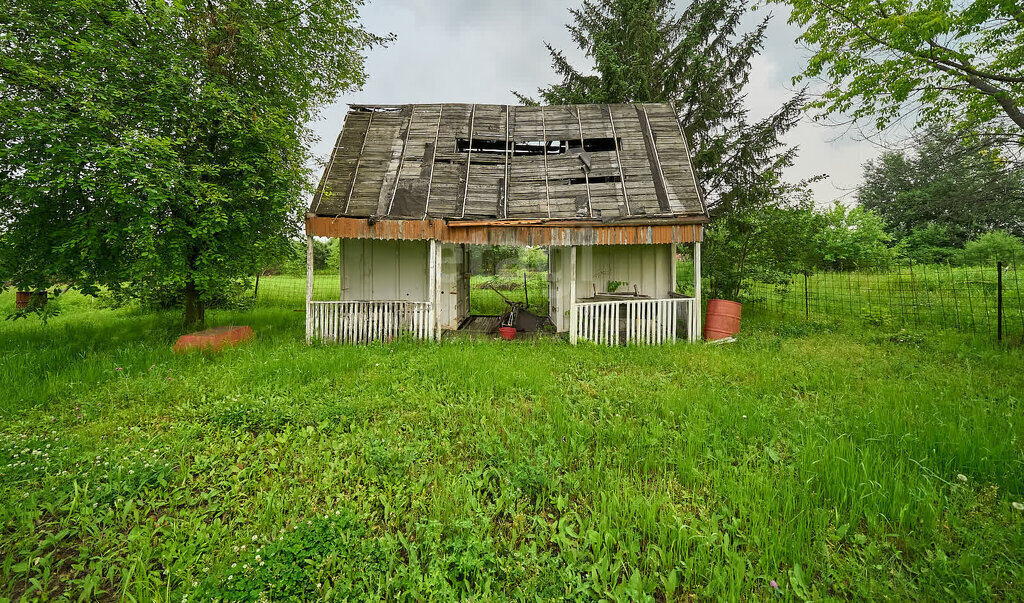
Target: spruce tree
{"points": [[699, 59]]}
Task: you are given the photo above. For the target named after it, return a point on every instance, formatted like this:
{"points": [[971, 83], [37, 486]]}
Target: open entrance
{"points": [[508, 286]]}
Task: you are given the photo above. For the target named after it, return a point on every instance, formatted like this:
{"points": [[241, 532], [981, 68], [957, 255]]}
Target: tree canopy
{"points": [[161, 144], [944, 192], [956, 63]]}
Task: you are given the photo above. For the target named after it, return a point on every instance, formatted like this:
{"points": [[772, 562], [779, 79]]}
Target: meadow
{"points": [[810, 460], [960, 297]]}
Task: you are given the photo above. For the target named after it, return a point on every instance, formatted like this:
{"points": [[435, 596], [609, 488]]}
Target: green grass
{"points": [[963, 298], [818, 455]]}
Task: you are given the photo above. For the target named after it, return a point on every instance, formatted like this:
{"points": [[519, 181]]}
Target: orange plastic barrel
{"points": [[722, 319]]}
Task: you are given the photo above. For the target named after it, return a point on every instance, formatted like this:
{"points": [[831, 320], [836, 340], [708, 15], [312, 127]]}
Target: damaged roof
{"points": [[501, 162]]}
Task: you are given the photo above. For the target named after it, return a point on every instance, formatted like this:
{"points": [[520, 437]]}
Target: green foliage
{"points": [[321, 254], [955, 64], [995, 246], [491, 259], [849, 238], [768, 245], [533, 258], [929, 244], [468, 472], [952, 190], [162, 145], [44, 311], [699, 60]]}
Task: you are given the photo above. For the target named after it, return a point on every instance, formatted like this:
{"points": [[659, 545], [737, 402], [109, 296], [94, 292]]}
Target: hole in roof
{"points": [[536, 147], [595, 180]]}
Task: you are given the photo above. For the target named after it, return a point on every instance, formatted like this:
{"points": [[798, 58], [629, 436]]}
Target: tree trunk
{"points": [[195, 309]]}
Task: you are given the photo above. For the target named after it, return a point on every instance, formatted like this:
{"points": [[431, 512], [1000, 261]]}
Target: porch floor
{"points": [[483, 326]]}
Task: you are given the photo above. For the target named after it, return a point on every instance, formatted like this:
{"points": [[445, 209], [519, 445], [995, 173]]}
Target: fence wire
{"points": [[982, 299]]}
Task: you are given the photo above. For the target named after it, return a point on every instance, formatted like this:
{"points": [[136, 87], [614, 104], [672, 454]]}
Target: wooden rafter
{"points": [[544, 134], [618, 161], [508, 159], [686, 145], [401, 161], [586, 174], [469, 160], [430, 179], [359, 158], [656, 166]]}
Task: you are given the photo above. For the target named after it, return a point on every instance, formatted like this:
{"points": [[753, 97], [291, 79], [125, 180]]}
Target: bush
{"points": [[930, 244], [852, 238], [995, 246]]}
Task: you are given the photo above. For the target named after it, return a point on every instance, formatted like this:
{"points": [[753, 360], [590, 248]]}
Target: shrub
{"points": [[995, 246], [852, 238], [929, 244]]}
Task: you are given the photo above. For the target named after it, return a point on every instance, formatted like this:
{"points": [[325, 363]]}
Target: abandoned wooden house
{"points": [[608, 189]]}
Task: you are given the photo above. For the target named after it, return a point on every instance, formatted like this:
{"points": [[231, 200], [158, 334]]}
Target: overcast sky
{"points": [[478, 51]]}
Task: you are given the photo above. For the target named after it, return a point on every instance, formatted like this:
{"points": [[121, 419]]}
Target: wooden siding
{"points": [[522, 233], [648, 268], [384, 271]]}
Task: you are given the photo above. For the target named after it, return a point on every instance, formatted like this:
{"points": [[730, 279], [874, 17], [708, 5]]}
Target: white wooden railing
{"points": [[641, 321], [366, 321]]}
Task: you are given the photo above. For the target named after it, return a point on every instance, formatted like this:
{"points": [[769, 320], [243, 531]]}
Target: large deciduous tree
{"points": [[956, 63], [150, 145], [944, 192]]}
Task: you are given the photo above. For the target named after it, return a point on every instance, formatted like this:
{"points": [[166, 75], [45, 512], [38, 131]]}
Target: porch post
{"points": [[695, 335], [341, 269], [433, 272], [309, 287], [673, 281], [572, 296]]}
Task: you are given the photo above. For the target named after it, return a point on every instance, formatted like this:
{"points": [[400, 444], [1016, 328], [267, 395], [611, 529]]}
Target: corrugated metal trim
{"points": [[535, 234]]}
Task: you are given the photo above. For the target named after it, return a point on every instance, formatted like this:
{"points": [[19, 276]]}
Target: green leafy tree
{"points": [[995, 246], [852, 238], [699, 59], [929, 244], [955, 63], [963, 190], [162, 145], [767, 244]]}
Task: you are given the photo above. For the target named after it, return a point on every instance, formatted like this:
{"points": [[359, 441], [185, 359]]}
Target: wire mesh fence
{"points": [[983, 299]]}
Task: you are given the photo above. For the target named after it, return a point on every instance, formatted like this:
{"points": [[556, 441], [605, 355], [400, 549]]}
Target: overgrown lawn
{"points": [[836, 462]]}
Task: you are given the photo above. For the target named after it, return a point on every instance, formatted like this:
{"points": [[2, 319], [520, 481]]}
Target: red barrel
{"points": [[507, 333], [722, 319]]}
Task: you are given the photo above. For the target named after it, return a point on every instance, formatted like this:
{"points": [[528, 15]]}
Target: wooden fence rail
{"points": [[366, 321], [638, 322]]}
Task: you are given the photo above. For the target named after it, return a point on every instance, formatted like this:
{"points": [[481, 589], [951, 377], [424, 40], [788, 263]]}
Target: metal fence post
{"points": [[807, 304], [999, 301]]}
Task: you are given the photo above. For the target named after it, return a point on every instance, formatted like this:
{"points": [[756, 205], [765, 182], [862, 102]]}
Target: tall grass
{"points": [[839, 463], [944, 296]]}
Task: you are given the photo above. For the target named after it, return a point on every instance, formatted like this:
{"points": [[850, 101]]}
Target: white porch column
{"points": [[309, 288], [433, 278], [572, 296], [696, 335], [673, 281]]}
